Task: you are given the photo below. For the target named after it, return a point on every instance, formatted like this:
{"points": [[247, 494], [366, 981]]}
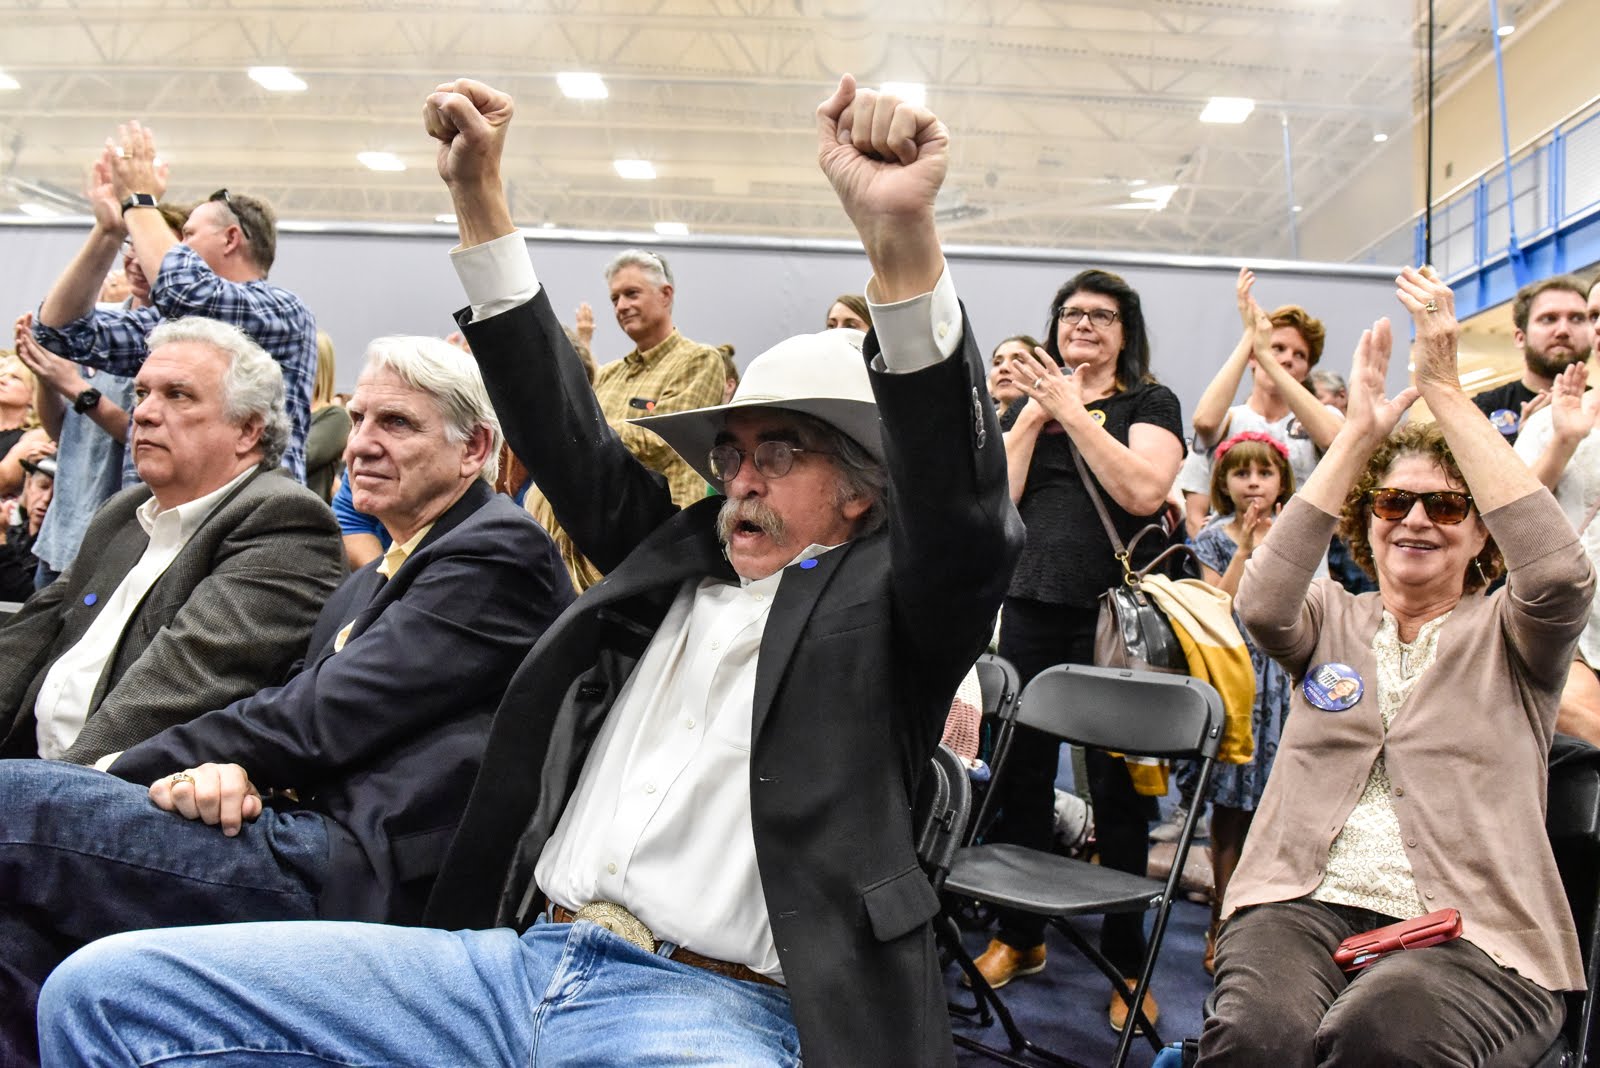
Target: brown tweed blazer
{"points": [[230, 616]]}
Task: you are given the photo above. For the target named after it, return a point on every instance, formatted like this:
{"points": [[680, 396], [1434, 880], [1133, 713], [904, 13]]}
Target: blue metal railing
{"points": [[1555, 198]]}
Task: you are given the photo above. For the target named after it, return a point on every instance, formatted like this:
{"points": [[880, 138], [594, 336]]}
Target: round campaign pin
{"points": [[1504, 420], [807, 565], [1098, 416], [89, 599], [1332, 687]]}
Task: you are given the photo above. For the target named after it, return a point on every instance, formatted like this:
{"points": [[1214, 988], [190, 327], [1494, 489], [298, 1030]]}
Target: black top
{"points": [[17, 563], [1510, 397], [1068, 559], [9, 438]]}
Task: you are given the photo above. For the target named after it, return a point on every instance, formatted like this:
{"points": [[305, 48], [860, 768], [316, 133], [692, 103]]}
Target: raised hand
{"points": [[1247, 303], [219, 794], [886, 160], [1537, 403], [1573, 410], [102, 195], [584, 324], [469, 120], [1433, 309], [1372, 415], [1253, 527], [135, 168]]}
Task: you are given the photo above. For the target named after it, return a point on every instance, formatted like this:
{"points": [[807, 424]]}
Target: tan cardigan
{"points": [[1467, 752]]}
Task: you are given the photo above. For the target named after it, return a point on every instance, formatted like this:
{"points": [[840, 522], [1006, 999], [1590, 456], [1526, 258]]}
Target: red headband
{"points": [[1252, 435]]}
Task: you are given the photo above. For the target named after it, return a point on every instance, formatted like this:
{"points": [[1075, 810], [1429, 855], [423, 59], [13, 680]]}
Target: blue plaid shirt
{"points": [[275, 318]]}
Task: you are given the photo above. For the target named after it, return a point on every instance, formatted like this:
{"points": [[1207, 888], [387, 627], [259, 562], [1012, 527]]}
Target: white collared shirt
{"points": [[659, 821], [69, 686]]}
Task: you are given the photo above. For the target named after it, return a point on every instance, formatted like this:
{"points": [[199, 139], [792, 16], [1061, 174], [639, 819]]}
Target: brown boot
{"points": [[1118, 1012], [1209, 962], [1002, 963]]}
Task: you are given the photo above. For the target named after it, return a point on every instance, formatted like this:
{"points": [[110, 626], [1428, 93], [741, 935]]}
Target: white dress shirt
{"points": [[659, 821], [70, 684]]}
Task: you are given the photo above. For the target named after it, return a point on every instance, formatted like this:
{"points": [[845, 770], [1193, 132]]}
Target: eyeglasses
{"points": [[233, 209], [1445, 507], [773, 459], [1101, 317]]}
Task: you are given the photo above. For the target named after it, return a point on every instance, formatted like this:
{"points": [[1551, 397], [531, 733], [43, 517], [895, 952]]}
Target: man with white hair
{"points": [[691, 840], [666, 372], [191, 590], [380, 731]]}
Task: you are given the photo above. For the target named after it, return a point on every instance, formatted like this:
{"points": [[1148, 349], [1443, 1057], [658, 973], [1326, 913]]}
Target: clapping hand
{"points": [[1254, 526], [61, 374], [1573, 408], [219, 794], [1055, 392], [584, 323], [133, 164], [1433, 309], [1371, 415]]}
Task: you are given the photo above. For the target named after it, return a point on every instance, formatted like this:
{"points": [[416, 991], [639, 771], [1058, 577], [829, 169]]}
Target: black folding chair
{"points": [[1134, 712], [999, 681], [1572, 819], [944, 802]]}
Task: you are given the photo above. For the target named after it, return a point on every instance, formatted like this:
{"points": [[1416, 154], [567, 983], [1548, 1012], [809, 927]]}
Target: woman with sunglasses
{"points": [[1089, 391], [1412, 772]]}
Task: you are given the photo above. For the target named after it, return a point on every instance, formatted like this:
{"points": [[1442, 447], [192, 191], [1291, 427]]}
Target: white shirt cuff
{"points": [[105, 762], [497, 275], [920, 332]]}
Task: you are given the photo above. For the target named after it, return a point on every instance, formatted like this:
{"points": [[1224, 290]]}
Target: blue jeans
{"points": [[364, 994], [84, 854]]}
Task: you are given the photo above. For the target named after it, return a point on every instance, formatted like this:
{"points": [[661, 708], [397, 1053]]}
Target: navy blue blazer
{"points": [[386, 736]]}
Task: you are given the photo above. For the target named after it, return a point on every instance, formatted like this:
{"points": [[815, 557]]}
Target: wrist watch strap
{"points": [[85, 401], [138, 200]]}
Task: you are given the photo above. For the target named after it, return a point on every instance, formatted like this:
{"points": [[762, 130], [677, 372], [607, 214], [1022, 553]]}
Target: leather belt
{"points": [[621, 922]]}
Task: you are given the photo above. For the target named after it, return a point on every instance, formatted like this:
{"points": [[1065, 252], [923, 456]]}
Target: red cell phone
{"points": [[1360, 950]]}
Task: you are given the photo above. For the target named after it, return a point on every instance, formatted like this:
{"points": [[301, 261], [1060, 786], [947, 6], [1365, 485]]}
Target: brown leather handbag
{"points": [[1133, 631]]}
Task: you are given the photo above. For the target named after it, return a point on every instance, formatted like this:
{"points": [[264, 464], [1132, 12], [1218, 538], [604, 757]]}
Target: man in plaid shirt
{"points": [[219, 271]]}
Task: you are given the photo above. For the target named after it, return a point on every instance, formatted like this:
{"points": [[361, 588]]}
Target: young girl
{"points": [[1250, 480]]}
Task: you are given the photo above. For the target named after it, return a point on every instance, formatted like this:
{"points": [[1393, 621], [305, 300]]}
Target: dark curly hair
{"points": [[1414, 439]]}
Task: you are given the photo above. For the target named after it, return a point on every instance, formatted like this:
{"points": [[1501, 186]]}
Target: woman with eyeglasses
{"points": [[1411, 776], [1089, 391]]}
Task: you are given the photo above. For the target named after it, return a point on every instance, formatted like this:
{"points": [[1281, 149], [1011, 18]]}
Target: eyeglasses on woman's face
{"points": [[1098, 317], [1445, 507]]}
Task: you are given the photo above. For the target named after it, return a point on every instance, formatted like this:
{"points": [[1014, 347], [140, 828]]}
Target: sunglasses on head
{"points": [[1445, 507], [233, 209]]}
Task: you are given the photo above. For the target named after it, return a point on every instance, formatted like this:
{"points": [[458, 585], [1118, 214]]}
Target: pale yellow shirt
{"points": [[396, 555]]}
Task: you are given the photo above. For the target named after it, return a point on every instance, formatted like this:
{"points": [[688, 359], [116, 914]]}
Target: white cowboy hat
{"points": [[823, 375]]}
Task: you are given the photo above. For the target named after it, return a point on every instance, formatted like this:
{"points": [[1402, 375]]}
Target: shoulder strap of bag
{"points": [[1093, 489]]}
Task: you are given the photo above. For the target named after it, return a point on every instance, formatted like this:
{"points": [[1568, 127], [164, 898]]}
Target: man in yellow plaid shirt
{"points": [[665, 372]]}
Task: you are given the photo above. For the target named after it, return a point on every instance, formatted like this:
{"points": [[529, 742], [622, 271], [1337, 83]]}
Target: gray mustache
{"points": [[750, 510]]}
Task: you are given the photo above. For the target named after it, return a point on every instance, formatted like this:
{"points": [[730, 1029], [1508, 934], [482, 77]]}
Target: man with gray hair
{"points": [[381, 730], [665, 372], [191, 590]]}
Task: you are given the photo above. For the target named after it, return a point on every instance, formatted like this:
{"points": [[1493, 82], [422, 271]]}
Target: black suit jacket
{"points": [[853, 681], [385, 736], [229, 616]]}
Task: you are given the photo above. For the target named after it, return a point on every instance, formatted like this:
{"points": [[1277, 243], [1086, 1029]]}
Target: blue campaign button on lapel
{"points": [[1333, 687], [807, 565], [1504, 420], [90, 599]]}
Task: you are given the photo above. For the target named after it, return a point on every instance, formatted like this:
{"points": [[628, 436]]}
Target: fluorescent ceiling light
{"points": [[1154, 198], [446, 218], [1380, 138], [1506, 31], [8, 82], [1230, 110], [582, 85], [1137, 182], [1297, 209], [381, 161], [277, 79], [911, 92], [37, 210], [638, 170], [672, 229]]}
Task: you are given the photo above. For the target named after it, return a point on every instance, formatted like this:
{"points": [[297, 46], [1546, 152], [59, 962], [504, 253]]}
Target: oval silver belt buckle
{"points": [[619, 921]]}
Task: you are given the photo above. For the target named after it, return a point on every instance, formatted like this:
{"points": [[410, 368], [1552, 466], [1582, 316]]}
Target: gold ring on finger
{"points": [[1037, 382], [182, 776], [1431, 306]]}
